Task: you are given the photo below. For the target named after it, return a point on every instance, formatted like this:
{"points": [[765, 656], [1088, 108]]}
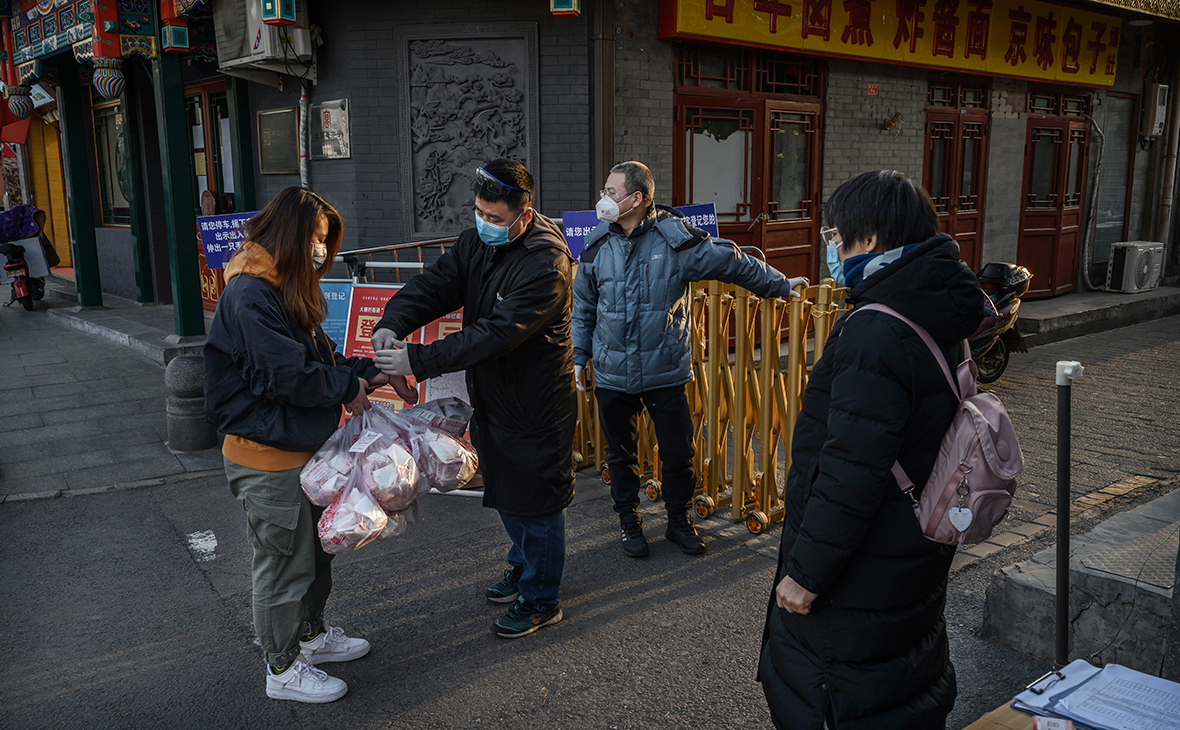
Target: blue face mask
{"points": [[492, 234], [835, 265]]}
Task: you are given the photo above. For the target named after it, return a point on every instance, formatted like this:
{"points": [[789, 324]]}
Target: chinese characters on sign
{"points": [[1022, 38], [365, 309], [579, 223], [221, 236], [330, 138]]}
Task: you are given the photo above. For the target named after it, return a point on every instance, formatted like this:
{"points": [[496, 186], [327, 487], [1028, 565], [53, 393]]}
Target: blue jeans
{"points": [[538, 546]]}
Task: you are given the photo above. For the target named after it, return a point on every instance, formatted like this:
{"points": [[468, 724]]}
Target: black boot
{"points": [[634, 543], [681, 533]]}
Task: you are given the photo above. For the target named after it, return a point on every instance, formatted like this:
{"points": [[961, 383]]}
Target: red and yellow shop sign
{"points": [[1024, 38]]}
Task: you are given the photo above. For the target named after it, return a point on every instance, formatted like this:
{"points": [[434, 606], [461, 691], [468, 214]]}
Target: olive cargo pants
{"points": [[292, 573]]}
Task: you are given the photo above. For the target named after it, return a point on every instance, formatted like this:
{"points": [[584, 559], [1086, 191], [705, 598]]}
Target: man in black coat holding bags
{"points": [[855, 637], [511, 273]]}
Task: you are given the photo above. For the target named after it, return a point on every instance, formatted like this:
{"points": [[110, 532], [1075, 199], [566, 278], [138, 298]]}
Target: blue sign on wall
{"points": [[221, 236], [338, 295], [578, 224]]}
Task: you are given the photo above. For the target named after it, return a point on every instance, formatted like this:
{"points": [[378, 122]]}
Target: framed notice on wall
{"points": [[278, 141]]}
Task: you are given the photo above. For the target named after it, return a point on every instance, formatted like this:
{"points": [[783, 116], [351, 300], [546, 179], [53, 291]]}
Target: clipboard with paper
{"points": [[1111, 698]]}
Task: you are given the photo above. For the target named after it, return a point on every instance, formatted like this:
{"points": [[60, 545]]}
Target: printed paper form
{"points": [[1123, 699]]}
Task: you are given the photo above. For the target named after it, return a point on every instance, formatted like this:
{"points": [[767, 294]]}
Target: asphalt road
{"points": [[122, 612]]}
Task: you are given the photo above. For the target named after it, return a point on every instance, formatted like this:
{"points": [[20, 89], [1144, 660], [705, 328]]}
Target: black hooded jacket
{"points": [[517, 350], [874, 645]]}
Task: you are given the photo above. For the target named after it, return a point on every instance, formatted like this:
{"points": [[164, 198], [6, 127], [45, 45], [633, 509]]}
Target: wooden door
{"points": [[790, 217], [1051, 219], [715, 160], [955, 175]]}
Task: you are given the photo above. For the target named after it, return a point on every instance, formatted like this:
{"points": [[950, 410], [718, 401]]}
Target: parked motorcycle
{"points": [[997, 337], [25, 289]]}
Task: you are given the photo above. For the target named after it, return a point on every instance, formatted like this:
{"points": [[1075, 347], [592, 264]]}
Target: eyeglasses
{"points": [[608, 193], [494, 186], [831, 236]]}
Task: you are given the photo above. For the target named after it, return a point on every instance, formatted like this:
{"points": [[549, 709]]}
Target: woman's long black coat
{"points": [[517, 349], [874, 646]]}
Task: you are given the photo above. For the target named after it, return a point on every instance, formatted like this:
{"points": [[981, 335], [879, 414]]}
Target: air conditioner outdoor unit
{"points": [[283, 49], [1134, 266]]}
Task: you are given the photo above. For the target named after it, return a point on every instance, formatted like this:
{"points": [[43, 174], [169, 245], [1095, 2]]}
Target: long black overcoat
{"points": [[517, 350], [873, 650]]}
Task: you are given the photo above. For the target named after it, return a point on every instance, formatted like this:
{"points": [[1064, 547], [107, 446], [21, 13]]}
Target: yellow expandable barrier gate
{"points": [[743, 405]]}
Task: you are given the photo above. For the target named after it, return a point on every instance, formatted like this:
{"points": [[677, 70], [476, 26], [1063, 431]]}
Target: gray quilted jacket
{"points": [[631, 303]]}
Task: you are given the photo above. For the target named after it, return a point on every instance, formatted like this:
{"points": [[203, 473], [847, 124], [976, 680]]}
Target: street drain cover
{"points": [[1130, 557]]}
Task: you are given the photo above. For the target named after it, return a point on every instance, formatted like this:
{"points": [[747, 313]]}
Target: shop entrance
{"points": [[1055, 156], [749, 141], [956, 161]]}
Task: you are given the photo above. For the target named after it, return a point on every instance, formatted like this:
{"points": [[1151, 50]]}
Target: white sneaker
{"points": [[304, 683], [333, 646]]}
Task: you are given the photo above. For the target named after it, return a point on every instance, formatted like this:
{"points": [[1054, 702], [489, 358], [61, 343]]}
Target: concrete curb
{"points": [[147, 341], [1117, 616], [1116, 310], [120, 487]]}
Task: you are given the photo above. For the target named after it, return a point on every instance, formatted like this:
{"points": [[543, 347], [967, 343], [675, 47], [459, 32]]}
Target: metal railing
{"points": [[744, 400]]}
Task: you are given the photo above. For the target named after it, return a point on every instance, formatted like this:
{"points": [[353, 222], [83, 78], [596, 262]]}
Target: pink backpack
{"points": [[974, 477]]}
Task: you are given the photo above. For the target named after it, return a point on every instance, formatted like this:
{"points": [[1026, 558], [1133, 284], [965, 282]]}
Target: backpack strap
{"points": [[960, 390], [926, 338]]}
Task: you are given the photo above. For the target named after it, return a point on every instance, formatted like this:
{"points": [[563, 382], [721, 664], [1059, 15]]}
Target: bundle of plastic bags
{"points": [[354, 519], [386, 460]]}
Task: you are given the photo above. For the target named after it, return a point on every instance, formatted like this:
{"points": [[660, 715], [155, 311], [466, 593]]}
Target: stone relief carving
{"points": [[468, 98]]}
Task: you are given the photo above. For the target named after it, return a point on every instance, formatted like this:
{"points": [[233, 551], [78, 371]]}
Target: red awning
{"points": [[16, 132]]}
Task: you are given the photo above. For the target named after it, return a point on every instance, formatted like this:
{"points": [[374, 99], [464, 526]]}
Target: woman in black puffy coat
{"points": [[855, 635]]}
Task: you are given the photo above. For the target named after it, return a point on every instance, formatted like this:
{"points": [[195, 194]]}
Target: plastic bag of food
{"points": [[447, 462], [391, 474], [323, 478], [353, 519], [446, 415]]}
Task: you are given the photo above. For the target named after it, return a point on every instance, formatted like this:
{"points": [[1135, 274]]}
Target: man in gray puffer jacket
{"points": [[631, 316]]}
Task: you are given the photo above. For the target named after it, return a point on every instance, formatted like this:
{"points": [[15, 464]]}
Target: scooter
{"points": [[997, 337], [25, 289]]}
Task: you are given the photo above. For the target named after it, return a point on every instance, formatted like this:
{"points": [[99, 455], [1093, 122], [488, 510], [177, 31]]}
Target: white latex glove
{"points": [[796, 281], [578, 378], [383, 339], [394, 360]]}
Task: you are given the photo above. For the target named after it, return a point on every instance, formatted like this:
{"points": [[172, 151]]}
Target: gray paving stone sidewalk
{"points": [[79, 412], [116, 620]]}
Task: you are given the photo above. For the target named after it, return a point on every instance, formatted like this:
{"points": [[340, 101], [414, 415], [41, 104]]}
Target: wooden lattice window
{"points": [[781, 73], [714, 67], [951, 93], [1055, 103], [792, 139], [1042, 188]]}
